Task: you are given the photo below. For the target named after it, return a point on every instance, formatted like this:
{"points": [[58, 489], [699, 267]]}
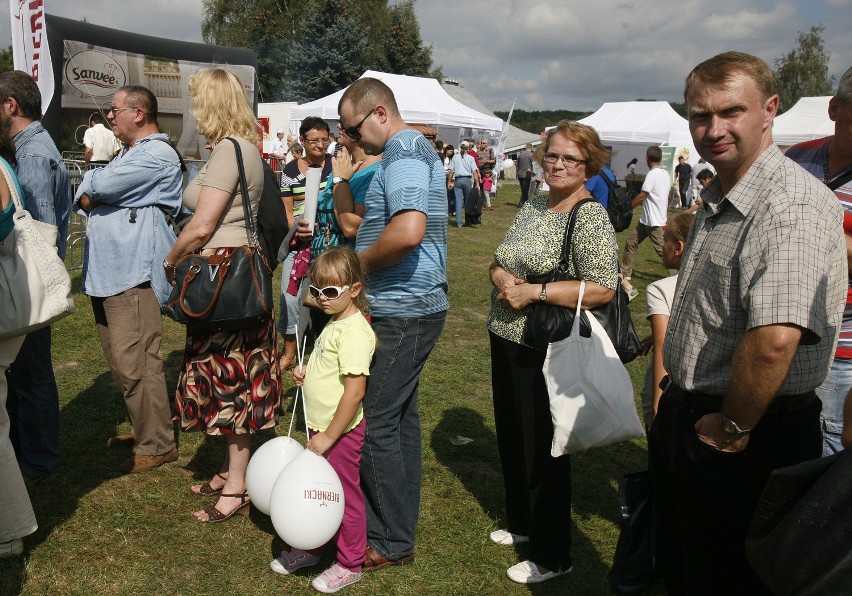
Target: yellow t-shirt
{"points": [[343, 348]]}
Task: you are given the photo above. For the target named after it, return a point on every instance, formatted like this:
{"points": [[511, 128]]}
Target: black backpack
{"points": [[618, 206]]}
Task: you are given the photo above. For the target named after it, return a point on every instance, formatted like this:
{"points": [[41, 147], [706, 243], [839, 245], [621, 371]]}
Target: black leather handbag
{"points": [[547, 323], [224, 291], [800, 536]]}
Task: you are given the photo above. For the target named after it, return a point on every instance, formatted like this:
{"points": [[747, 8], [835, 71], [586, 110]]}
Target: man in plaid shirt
{"points": [[753, 327]]}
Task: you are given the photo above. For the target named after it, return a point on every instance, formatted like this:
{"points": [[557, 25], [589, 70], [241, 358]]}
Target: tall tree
{"points": [[404, 49], [299, 53], [331, 53], [269, 27], [803, 71]]}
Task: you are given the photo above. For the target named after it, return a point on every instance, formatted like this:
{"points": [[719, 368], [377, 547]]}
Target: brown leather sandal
{"points": [[373, 560], [216, 516], [208, 491]]}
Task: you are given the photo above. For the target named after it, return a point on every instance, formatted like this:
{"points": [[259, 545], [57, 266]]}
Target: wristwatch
{"points": [[339, 179], [729, 427], [543, 295]]}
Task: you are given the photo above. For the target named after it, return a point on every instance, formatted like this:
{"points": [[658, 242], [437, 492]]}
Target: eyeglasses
{"points": [[568, 160], [329, 292], [114, 110], [354, 132], [319, 141]]}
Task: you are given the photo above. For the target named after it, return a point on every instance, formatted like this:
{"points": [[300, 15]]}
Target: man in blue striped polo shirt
{"points": [[402, 243]]}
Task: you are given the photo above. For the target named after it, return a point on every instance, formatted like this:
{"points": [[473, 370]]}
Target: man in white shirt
{"points": [[654, 198], [99, 140], [464, 176], [277, 148]]}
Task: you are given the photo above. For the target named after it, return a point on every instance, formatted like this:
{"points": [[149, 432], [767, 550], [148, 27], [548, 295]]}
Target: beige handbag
{"points": [[35, 289]]}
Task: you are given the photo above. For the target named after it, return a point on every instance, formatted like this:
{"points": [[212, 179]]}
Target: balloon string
{"points": [[298, 389], [301, 354]]}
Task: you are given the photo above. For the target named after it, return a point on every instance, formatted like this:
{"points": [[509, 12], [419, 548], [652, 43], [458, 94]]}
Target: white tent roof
{"points": [[420, 100], [515, 137], [807, 119], [640, 122]]}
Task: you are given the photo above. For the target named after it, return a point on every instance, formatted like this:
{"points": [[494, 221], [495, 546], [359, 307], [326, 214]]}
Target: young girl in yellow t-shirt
{"points": [[334, 384]]}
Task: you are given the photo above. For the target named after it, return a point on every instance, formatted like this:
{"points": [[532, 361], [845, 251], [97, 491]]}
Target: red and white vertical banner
{"points": [[30, 51]]}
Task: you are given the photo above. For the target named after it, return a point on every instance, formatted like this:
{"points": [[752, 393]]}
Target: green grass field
{"points": [[101, 532]]}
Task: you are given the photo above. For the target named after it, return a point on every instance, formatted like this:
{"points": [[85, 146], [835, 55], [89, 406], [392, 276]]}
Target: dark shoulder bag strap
{"points": [[250, 225], [840, 180], [565, 258]]}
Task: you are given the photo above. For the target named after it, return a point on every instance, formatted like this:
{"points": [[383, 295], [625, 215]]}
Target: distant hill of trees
{"points": [[535, 122]]}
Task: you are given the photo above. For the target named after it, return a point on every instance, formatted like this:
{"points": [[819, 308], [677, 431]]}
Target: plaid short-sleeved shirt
{"points": [[771, 251]]}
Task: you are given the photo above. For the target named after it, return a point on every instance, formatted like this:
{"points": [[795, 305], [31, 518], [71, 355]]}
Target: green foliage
{"points": [[536, 121], [803, 71], [331, 54], [312, 48], [6, 59], [404, 47]]}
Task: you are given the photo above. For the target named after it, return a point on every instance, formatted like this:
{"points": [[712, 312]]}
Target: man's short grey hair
{"points": [[844, 87]]}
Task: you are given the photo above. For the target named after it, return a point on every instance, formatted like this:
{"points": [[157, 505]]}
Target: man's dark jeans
{"points": [[391, 459]]}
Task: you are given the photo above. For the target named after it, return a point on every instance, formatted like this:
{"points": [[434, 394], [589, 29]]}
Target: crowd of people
{"points": [[743, 331]]}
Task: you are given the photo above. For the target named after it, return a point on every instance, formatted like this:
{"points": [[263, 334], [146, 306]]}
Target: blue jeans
{"points": [[33, 406], [391, 460], [463, 186], [832, 394], [290, 319]]}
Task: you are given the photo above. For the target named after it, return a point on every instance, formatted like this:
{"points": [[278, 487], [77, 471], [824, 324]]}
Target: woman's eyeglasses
{"points": [[354, 132], [568, 160], [329, 292]]}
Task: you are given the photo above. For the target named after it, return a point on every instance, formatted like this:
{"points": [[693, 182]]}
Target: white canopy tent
{"points": [[630, 127], [420, 101], [807, 119]]}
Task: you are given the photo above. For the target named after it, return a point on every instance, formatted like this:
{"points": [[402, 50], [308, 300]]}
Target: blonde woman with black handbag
{"points": [[229, 380]]}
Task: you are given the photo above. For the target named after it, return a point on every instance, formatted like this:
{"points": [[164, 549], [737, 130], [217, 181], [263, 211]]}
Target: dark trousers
{"points": [[33, 405], [705, 498], [525, 189], [538, 485]]}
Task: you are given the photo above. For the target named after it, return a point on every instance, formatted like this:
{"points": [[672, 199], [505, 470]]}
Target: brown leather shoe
{"points": [[125, 440], [373, 560], [143, 463]]}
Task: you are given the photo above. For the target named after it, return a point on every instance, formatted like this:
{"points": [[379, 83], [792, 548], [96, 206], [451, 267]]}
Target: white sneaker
{"points": [[290, 561], [506, 538], [335, 578], [527, 573]]}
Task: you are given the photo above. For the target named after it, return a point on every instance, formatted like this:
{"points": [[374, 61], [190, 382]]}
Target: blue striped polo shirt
{"points": [[409, 177]]}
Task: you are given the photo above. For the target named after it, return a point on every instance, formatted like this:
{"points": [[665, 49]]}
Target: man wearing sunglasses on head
{"points": [[402, 243]]}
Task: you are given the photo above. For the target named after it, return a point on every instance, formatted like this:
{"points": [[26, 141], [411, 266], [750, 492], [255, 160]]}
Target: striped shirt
{"points": [[293, 184], [769, 252], [812, 156], [409, 177]]}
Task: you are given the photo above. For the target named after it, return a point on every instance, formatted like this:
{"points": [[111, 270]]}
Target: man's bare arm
{"points": [[760, 366]]}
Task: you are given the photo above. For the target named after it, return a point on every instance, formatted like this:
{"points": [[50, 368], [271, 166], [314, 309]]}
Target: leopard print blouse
{"points": [[532, 247]]}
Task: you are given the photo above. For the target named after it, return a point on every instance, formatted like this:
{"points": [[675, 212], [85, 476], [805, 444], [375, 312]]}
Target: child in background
{"points": [[660, 295], [334, 384], [487, 185]]}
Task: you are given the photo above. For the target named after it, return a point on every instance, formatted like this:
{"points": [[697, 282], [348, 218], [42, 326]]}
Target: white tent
{"points": [[807, 119], [420, 100], [630, 127]]}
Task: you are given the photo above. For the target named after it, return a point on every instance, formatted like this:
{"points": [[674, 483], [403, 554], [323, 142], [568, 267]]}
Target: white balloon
{"points": [[266, 465], [307, 502], [508, 164]]}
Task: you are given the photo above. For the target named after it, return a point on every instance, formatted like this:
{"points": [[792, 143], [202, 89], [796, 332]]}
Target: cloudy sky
{"points": [[552, 54]]}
